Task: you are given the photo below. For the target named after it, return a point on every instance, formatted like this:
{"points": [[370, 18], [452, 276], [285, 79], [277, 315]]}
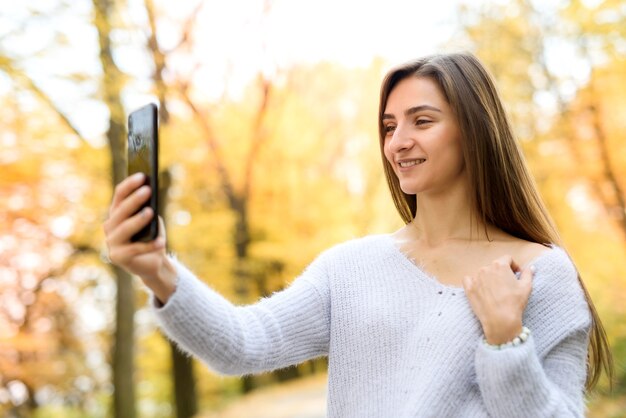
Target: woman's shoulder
{"points": [[549, 257], [553, 265], [360, 246], [357, 251], [557, 285], [527, 253]]}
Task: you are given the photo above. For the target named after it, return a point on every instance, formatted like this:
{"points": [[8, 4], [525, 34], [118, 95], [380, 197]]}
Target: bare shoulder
{"points": [[526, 252]]}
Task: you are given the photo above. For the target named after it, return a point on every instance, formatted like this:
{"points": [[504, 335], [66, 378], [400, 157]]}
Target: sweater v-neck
{"points": [[414, 268]]}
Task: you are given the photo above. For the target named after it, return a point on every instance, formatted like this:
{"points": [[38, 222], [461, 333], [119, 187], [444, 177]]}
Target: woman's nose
{"points": [[400, 140]]}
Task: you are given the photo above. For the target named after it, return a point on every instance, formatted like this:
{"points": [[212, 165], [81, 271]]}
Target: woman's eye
{"points": [[389, 128], [422, 121]]}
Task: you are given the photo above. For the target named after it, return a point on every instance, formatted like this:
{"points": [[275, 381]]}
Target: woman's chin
{"points": [[410, 190]]}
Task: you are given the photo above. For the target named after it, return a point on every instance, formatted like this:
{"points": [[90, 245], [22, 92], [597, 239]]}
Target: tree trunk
{"points": [[619, 204], [185, 398], [238, 201], [123, 346], [123, 361], [184, 383]]}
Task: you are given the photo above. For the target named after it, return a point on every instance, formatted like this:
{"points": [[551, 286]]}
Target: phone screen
{"points": [[143, 157]]}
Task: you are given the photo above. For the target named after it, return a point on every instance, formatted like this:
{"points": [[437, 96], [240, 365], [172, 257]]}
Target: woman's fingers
{"points": [[127, 208], [122, 254], [506, 261], [468, 283], [161, 228], [515, 267], [125, 188], [123, 232], [526, 277]]}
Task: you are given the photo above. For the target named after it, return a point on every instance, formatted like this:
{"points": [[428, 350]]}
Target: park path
{"points": [[304, 398]]}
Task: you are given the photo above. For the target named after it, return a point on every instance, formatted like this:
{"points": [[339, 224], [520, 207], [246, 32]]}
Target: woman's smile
{"points": [[411, 163]]}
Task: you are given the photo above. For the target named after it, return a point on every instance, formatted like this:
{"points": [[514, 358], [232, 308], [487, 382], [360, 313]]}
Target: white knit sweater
{"points": [[399, 343]]}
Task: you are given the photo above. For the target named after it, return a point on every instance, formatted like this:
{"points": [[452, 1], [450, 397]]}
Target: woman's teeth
{"points": [[412, 163]]}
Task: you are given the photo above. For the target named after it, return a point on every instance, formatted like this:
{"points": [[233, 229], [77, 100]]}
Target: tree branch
{"points": [[259, 133], [8, 66], [214, 147]]}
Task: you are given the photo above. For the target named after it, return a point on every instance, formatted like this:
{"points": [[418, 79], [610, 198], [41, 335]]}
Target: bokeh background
{"points": [[269, 154]]}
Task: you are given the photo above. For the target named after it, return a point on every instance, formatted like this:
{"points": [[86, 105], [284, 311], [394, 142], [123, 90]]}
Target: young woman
{"points": [[472, 309]]}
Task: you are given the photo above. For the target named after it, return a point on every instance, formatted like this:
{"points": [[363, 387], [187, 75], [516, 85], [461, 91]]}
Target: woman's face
{"points": [[422, 137]]}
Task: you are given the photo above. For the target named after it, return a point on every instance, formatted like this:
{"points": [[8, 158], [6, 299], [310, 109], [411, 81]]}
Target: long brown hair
{"points": [[503, 191]]}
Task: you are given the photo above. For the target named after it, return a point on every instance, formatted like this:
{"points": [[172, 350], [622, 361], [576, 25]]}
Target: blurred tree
{"points": [[599, 34], [41, 351], [238, 197], [12, 70], [182, 365], [111, 88], [599, 111]]}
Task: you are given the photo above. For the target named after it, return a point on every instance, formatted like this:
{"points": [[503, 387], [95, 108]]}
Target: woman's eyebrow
{"points": [[420, 108], [412, 110]]}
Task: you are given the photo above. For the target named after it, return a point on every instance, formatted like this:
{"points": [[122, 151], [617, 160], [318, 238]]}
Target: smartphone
{"points": [[143, 147]]}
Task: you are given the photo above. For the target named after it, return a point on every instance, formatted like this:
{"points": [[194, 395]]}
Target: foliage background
{"points": [[287, 91]]}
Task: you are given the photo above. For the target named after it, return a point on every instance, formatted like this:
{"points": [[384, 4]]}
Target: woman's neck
{"points": [[448, 216]]}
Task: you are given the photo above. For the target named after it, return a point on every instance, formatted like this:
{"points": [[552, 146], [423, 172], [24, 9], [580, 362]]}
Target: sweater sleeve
{"points": [[545, 376], [286, 328]]}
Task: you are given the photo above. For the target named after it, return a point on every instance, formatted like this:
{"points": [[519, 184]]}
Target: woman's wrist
{"points": [[502, 334], [515, 341], [164, 285]]}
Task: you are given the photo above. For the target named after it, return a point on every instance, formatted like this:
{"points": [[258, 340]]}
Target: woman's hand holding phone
{"points": [[148, 260]]}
